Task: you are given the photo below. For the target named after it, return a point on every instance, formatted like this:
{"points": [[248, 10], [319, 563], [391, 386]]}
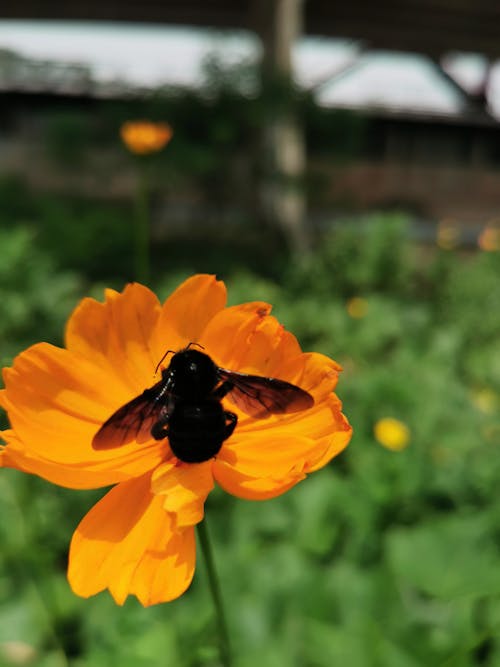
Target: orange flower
{"points": [[489, 239], [144, 136], [139, 539]]}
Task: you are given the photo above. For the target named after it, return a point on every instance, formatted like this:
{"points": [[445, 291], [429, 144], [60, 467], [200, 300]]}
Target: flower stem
{"points": [[142, 231], [224, 648]]}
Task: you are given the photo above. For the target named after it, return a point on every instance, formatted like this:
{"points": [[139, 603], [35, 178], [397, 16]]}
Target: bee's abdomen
{"points": [[196, 431]]}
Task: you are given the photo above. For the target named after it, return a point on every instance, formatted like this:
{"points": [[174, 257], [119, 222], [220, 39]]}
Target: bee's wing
{"points": [[261, 396], [134, 420]]}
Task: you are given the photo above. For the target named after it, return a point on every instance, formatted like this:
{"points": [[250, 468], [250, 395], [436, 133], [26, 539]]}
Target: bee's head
{"points": [[192, 374]]}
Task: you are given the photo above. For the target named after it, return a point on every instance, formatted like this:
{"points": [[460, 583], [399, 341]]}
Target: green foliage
{"points": [[67, 136], [73, 233], [382, 559], [371, 255], [34, 297]]}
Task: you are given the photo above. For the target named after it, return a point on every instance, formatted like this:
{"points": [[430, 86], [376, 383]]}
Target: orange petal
{"points": [[229, 333], [127, 543], [271, 454], [246, 338], [262, 466], [320, 375], [335, 442], [184, 488], [92, 475], [186, 313], [116, 334], [266, 457], [56, 400], [251, 488], [320, 420]]}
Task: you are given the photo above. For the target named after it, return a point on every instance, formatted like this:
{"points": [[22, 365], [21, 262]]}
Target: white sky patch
{"points": [[494, 91], [468, 69], [402, 81], [141, 55], [152, 55], [316, 60]]}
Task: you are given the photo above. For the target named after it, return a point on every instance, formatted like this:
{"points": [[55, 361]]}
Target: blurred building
{"points": [[436, 156]]}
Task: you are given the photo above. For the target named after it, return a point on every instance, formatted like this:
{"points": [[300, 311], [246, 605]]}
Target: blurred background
{"points": [[341, 161]]}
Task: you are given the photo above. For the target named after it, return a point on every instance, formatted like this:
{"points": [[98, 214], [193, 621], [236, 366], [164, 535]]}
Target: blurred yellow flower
{"points": [[392, 433], [485, 400], [489, 238], [143, 136], [357, 307], [17, 652], [448, 234]]}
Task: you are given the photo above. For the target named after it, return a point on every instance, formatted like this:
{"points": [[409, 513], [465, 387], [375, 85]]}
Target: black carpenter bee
{"points": [[185, 406]]}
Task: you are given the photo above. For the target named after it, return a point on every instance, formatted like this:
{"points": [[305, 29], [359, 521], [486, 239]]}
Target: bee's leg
{"points": [[232, 419], [222, 390], [159, 430]]}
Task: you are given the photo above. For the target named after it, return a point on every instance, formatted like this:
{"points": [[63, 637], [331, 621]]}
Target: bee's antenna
{"points": [[190, 344], [159, 363]]}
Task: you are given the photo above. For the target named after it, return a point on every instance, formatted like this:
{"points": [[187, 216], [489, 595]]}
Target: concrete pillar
{"points": [[283, 155]]}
